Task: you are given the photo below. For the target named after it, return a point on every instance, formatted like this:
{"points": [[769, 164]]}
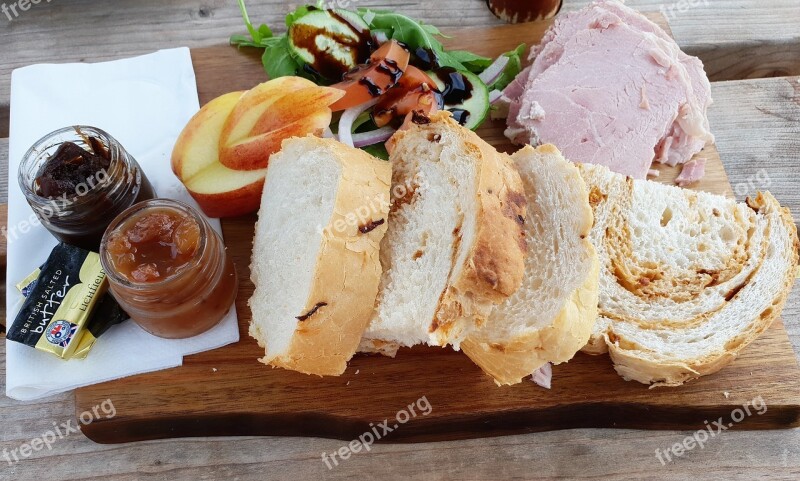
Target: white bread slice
{"points": [[315, 263], [550, 318], [455, 247], [687, 279]]}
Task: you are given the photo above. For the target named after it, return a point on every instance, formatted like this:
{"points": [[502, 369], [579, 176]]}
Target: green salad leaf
{"points": [[402, 28], [412, 33], [295, 15], [278, 60], [473, 62], [245, 41], [257, 34]]}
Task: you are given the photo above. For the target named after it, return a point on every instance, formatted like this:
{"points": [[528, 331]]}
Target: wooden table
{"points": [[757, 123]]}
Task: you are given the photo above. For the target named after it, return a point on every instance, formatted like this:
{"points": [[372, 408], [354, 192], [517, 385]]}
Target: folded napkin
{"points": [[143, 102]]}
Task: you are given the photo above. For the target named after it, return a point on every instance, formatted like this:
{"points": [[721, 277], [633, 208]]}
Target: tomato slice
{"points": [[414, 92], [384, 68]]}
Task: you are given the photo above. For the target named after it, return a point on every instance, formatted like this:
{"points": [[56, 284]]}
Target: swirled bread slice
{"points": [[549, 318], [455, 246], [687, 279], [315, 261]]}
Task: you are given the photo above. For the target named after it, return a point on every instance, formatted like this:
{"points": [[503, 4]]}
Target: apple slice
{"points": [[256, 101], [220, 191], [296, 106], [223, 192], [260, 147], [266, 115]]}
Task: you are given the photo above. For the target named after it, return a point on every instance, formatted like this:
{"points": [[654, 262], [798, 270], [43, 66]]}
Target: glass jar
{"points": [[80, 217], [180, 297]]}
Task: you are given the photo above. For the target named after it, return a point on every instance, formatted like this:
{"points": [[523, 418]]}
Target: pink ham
{"points": [[608, 86], [692, 171], [543, 376]]}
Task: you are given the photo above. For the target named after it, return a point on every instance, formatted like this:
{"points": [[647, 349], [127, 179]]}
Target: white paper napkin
{"points": [[143, 102]]}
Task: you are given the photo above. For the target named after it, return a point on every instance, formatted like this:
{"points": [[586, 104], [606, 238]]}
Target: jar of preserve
{"points": [[168, 269], [77, 179]]}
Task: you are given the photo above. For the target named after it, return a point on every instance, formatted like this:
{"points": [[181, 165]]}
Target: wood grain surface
{"points": [[756, 123], [735, 38]]}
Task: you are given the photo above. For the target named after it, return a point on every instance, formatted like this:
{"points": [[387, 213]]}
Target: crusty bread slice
{"points": [[687, 279], [315, 261], [549, 318], [455, 246]]}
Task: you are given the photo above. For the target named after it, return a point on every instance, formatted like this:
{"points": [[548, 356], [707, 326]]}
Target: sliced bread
{"points": [[455, 247], [315, 263], [549, 318], [687, 279]]}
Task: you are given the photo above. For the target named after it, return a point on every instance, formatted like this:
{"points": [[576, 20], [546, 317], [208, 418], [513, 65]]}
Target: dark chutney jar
{"points": [[80, 218]]}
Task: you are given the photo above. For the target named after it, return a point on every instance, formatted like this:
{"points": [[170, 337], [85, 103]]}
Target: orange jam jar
{"points": [[168, 269]]}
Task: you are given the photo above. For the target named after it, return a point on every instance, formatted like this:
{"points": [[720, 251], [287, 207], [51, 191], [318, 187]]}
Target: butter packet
{"points": [[61, 298]]}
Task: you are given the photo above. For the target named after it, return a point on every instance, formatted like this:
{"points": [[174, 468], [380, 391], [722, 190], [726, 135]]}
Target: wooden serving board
{"points": [[226, 392]]}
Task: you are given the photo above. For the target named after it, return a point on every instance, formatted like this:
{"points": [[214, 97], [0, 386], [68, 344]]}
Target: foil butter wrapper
{"points": [[66, 307]]}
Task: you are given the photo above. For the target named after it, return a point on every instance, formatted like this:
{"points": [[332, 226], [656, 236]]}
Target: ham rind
{"points": [[642, 111]]}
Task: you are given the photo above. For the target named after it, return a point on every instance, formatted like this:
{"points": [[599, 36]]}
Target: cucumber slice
{"points": [[475, 107], [330, 42]]}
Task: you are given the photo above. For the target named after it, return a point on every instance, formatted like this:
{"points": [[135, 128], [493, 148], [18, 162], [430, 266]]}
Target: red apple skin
{"points": [[225, 176], [254, 154], [245, 200], [196, 151], [284, 114]]}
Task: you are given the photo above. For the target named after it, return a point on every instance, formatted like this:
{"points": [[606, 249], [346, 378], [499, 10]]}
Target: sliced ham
{"points": [[608, 86], [692, 171], [543, 376]]}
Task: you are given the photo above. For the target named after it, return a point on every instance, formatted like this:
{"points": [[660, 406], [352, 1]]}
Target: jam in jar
{"points": [[168, 269], [77, 179]]}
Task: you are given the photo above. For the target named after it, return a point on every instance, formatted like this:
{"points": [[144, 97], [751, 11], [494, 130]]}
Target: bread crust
{"points": [[633, 365], [494, 265], [659, 367], [347, 270], [510, 360]]}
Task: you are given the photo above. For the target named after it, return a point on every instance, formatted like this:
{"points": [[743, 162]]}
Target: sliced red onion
{"points": [[500, 104], [328, 134], [543, 376], [380, 37], [495, 70], [495, 95], [348, 117], [364, 139]]}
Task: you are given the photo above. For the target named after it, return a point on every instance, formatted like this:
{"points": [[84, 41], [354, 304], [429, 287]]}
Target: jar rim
{"points": [[40, 147], [157, 203]]}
